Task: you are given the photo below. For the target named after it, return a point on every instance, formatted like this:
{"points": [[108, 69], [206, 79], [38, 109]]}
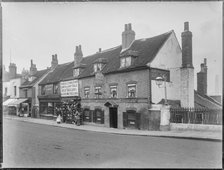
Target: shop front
{"points": [[47, 105], [19, 107]]}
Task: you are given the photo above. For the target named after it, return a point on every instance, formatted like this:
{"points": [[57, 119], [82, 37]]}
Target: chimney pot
{"points": [[99, 49], [129, 26], [186, 26], [126, 27]]}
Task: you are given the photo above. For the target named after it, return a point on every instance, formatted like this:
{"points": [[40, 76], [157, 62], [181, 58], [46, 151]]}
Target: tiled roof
{"points": [[61, 72], [147, 49], [205, 101], [217, 98], [37, 76]]}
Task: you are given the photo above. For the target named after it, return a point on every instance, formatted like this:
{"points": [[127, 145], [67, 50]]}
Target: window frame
{"points": [[85, 89], [113, 87], [76, 72], [98, 96], [131, 85], [98, 67], [124, 62]]}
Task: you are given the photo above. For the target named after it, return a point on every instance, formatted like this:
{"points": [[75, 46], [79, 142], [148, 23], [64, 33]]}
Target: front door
{"points": [[113, 117]]}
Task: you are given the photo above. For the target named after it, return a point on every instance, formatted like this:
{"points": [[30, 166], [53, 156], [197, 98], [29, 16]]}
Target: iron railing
{"points": [[196, 116]]}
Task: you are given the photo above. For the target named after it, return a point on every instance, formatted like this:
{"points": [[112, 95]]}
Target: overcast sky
{"points": [[38, 30]]}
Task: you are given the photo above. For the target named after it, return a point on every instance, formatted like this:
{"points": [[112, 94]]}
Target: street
{"points": [[33, 145]]}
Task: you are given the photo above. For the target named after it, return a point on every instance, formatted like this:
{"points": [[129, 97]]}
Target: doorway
{"points": [[113, 117]]}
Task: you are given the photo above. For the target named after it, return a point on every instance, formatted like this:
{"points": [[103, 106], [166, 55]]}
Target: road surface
{"points": [[42, 146]]}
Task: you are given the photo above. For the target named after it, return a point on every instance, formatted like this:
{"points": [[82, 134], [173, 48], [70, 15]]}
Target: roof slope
{"points": [[146, 48], [205, 101], [59, 73], [37, 76]]}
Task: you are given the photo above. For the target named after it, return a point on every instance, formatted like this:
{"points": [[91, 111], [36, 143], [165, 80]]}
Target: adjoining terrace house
{"points": [[29, 89], [11, 82], [117, 86]]}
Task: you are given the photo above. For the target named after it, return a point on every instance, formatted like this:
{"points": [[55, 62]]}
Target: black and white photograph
{"points": [[133, 84]]}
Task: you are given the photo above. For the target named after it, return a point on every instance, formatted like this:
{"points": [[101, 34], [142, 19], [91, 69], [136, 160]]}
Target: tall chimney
{"points": [[186, 46], [187, 69], [78, 56], [128, 36], [33, 68], [202, 79], [54, 61]]}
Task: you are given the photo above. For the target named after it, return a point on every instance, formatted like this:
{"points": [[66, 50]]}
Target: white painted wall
{"points": [[12, 83], [169, 57], [6, 85]]}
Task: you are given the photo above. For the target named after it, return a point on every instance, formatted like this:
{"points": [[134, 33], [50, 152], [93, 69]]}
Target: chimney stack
{"points": [[78, 56], [187, 69], [202, 79], [186, 47], [12, 70], [33, 68], [99, 50], [54, 61], [128, 36]]}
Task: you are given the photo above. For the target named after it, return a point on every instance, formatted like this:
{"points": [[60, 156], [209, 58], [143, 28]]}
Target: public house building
{"points": [[118, 86]]}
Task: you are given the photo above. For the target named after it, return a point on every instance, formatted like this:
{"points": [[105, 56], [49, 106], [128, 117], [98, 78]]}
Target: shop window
{"points": [[50, 109], [125, 61], [98, 67], [86, 92], [131, 90], [43, 90], [113, 91], [98, 116], [98, 92], [56, 88], [43, 108], [87, 117]]}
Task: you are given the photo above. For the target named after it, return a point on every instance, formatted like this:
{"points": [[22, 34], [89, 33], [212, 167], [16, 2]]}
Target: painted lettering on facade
{"points": [[69, 88]]}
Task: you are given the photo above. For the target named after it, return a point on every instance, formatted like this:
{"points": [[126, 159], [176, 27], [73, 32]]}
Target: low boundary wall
{"points": [[200, 127]]}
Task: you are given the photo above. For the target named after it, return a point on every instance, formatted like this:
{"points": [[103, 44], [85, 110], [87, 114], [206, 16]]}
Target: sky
{"points": [[39, 30]]}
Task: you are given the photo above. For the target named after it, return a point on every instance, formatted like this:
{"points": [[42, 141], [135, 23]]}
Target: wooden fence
{"points": [[196, 116]]}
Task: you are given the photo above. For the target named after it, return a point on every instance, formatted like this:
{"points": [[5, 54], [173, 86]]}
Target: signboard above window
{"points": [[69, 88]]}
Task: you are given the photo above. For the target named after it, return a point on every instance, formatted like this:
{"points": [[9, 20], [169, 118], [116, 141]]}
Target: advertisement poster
{"points": [[69, 88]]}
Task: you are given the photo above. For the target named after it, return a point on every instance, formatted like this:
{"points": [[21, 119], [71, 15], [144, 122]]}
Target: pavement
{"points": [[198, 135]]}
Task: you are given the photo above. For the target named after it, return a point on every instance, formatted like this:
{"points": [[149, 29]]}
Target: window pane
{"points": [[128, 61], [123, 62], [132, 90], [95, 67]]}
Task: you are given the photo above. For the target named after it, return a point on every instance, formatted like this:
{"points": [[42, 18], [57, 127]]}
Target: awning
{"points": [[18, 101], [111, 104], [5, 103]]}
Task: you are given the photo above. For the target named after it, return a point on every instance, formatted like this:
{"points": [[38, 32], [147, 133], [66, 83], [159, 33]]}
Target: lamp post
{"points": [[159, 82]]}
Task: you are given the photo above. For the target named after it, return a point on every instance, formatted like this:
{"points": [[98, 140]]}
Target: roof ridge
{"points": [[208, 98]]}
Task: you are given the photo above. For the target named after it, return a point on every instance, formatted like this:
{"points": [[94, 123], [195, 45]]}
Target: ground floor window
{"points": [[131, 119], [43, 108], [87, 116], [95, 116]]}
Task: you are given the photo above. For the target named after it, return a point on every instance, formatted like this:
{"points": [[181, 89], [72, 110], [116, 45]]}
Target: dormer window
{"points": [[125, 61], [76, 72], [98, 67]]}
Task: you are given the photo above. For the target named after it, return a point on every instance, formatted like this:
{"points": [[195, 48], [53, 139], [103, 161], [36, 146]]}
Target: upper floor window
{"points": [[76, 72], [125, 61], [43, 90], [56, 88], [25, 93], [98, 92], [14, 90], [86, 92], [6, 89], [113, 91], [131, 90], [98, 67]]}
